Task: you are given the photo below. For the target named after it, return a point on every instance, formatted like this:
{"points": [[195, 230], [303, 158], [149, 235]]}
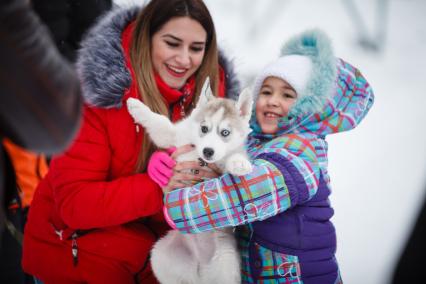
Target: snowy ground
{"points": [[377, 170]]}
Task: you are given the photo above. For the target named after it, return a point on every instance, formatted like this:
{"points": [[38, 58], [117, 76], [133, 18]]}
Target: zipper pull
{"points": [[59, 233], [74, 248]]}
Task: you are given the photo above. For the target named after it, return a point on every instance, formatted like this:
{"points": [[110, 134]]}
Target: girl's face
{"points": [[276, 97], [177, 50]]}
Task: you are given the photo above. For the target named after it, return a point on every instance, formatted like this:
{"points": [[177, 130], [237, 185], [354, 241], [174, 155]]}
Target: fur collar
{"points": [[101, 63], [316, 45]]}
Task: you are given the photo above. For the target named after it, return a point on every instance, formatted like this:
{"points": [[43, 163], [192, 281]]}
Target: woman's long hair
{"points": [[149, 21]]}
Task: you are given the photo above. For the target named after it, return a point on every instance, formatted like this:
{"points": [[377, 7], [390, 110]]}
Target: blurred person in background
{"points": [[67, 22], [40, 111], [97, 213]]}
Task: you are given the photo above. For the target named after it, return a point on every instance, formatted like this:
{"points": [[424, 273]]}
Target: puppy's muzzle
{"points": [[208, 153]]}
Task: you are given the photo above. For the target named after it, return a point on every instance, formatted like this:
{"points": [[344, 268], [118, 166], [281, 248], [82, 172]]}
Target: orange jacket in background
{"points": [[30, 168]]}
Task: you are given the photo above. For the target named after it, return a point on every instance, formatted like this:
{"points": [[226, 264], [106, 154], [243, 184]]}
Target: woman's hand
{"points": [[160, 166], [189, 172]]}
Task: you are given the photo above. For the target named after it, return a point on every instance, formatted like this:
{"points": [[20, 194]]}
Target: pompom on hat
{"points": [[308, 64]]}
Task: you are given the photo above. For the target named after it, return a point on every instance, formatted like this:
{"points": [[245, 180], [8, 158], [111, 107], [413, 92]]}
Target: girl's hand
{"points": [[215, 169], [189, 172]]}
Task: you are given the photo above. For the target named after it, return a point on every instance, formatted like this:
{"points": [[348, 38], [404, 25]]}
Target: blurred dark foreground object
{"points": [[411, 263], [40, 109], [39, 90], [68, 20]]}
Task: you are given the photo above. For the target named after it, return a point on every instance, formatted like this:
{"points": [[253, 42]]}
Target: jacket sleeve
{"points": [[39, 91], [285, 175], [85, 195]]}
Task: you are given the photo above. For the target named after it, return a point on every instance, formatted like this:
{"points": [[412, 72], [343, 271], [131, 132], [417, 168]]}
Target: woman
{"points": [[96, 215]]}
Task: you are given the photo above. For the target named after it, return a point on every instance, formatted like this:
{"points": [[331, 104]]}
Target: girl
{"points": [[282, 208], [96, 215]]}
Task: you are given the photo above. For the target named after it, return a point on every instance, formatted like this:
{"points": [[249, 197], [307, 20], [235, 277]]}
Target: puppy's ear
{"points": [[205, 94], [206, 91], [245, 103]]}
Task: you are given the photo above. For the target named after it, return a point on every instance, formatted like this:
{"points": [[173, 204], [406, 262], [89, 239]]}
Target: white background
{"points": [[377, 170]]}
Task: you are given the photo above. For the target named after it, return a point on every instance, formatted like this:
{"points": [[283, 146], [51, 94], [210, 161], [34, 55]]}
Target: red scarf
{"points": [[178, 100]]}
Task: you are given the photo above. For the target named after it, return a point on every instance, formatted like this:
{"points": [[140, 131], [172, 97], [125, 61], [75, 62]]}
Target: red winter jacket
{"points": [[92, 189]]}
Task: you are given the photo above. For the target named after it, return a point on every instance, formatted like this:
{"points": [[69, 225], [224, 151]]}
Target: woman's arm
{"points": [[282, 178], [85, 194]]}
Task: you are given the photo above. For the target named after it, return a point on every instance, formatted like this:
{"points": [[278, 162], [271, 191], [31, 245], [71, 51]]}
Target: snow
{"points": [[377, 170]]}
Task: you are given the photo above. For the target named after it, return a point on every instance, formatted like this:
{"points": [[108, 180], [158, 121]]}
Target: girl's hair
{"points": [[151, 19]]}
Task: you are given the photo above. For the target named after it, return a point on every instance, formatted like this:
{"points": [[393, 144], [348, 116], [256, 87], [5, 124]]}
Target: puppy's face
{"points": [[219, 134]]}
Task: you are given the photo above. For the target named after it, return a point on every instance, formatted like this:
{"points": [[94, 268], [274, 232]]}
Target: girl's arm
{"points": [[285, 175]]}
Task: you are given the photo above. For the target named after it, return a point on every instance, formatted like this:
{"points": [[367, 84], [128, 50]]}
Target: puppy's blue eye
{"points": [[225, 132], [204, 129]]}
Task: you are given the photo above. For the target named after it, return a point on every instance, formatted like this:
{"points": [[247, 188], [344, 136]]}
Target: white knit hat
{"points": [[308, 64], [294, 69]]}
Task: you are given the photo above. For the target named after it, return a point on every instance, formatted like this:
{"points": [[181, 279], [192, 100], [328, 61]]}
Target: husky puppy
{"points": [[218, 128]]}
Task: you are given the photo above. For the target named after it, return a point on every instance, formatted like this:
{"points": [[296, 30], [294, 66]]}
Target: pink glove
{"points": [[160, 166]]}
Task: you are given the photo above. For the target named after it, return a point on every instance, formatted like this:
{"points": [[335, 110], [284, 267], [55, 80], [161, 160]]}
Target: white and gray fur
{"points": [[208, 257]]}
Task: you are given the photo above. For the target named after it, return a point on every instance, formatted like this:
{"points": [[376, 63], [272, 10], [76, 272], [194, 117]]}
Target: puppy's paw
{"points": [[136, 109], [238, 165]]}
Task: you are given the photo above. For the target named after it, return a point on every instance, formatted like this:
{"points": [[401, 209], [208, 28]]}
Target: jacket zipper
{"points": [[74, 248]]}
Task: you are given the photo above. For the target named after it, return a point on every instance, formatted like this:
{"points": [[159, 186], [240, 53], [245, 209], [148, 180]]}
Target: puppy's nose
{"points": [[208, 152]]}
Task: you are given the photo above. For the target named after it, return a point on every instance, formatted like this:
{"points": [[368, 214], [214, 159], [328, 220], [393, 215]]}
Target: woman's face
{"points": [[177, 50], [275, 99]]}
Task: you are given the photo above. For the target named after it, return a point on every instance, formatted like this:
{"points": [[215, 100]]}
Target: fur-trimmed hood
{"points": [[336, 97], [102, 67]]}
